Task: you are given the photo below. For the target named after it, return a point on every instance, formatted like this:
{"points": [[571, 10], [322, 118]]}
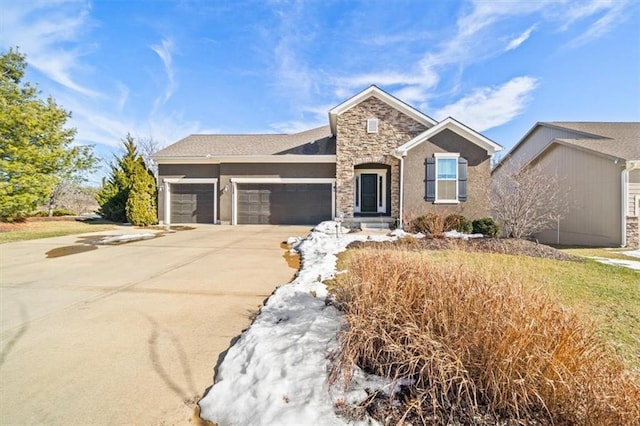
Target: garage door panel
{"points": [[295, 204], [192, 203]]}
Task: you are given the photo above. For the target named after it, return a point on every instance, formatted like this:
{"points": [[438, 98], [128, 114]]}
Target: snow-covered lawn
{"points": [[631, 264], [632, 253], [276, 373]]}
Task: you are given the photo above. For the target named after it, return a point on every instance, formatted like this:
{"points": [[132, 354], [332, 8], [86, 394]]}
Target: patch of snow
{"points": [[400, 233], [276, 373], [631, 264], [456, 234], [330, 227], [125, 238], [632, 253], [293, 240]]}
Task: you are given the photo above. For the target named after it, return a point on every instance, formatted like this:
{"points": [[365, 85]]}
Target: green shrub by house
{"points": [[486, 226]]}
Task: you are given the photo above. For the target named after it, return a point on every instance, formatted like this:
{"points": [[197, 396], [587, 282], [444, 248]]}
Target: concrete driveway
{"points": [[127, 334]]}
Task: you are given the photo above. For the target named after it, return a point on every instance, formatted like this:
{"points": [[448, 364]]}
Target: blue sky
{"points": [[165, 69]]}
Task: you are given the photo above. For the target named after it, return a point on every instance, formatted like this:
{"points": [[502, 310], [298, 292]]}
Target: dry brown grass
{"points": [[479, 347]]}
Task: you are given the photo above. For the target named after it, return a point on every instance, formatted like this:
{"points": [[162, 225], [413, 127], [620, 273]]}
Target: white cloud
{"points": [[165, 50], [123, 96], [490, 107], [516, 42], [473, 40], [390, 39], [41, 29], [578, 10], [613, 13], [293, 75]]}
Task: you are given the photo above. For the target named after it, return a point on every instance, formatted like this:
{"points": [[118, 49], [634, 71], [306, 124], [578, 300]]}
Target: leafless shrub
{"points": [[527, 198], [476, 347]]}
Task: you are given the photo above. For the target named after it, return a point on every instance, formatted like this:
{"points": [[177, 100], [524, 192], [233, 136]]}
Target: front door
{"points": [[368, 193]]}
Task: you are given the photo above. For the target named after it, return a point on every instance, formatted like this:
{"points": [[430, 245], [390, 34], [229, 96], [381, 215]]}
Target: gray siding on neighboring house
{"points": [[593, 190], [536, 142], [265, 170], [634, 193], [182, 171], [478, 176]]}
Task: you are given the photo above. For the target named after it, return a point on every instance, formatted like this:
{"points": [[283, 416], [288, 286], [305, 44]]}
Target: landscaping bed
{"points": [[517, 247], [485, 339]]}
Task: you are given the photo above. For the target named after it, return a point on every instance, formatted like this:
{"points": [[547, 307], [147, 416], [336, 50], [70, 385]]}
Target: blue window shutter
{"points": [[462, 179], [430, 187]]}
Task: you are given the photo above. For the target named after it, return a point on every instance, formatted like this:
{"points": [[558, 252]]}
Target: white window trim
{"points": [[452, 156], [168, 182], [381, 197], [372, 125], [319, 181]]}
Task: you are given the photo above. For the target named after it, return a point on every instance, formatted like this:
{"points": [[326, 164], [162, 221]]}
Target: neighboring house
{"points": [[377, 161], [599, 165]]}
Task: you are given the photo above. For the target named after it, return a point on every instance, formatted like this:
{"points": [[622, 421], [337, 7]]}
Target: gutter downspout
{"points": [[400, 156], [624, 177]]}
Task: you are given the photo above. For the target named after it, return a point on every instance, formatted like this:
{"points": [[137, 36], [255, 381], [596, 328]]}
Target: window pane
{"points": [[447, 168], [447, 190]]}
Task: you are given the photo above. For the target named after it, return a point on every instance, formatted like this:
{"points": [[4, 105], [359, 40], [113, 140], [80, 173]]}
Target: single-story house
{"points": [[599, 166], [378, 160]]}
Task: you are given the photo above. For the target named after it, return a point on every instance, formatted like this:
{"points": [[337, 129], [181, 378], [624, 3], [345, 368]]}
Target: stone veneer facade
{"points": [[354, 146], [633, 232]]}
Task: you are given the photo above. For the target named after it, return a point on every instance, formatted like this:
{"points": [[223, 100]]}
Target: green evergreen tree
{"points": [[35, 146], [141, 204], [129, 178]]}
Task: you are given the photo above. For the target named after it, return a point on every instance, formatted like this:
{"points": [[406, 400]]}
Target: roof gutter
{"points": [[624, 178]]}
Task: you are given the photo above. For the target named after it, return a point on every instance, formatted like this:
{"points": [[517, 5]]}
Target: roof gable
{"points": [[374, 91], [610, 139], [456, 127]]}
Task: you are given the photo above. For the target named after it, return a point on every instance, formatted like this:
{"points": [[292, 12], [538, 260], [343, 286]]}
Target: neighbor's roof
{"points": [[616, 139], [317, 141]]}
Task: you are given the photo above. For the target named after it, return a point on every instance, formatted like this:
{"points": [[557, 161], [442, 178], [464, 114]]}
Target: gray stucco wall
{"points": [[478, 176]]}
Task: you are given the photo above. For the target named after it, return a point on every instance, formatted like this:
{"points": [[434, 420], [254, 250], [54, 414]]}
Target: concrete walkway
{"points": [[127, 334]]}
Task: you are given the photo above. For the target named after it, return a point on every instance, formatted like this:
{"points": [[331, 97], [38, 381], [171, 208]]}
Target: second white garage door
{"points": [[283, 204]]}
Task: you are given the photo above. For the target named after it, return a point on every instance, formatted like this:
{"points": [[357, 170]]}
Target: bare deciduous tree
{"points": [[147, 146], [72, 195], [527, 199]]}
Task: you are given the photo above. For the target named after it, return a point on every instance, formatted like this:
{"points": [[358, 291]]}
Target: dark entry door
{"points": [[368, 193]]}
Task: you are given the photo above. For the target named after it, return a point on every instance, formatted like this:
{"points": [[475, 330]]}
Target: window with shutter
{"points": [[462, 179], [446, 180], [430, 181]]}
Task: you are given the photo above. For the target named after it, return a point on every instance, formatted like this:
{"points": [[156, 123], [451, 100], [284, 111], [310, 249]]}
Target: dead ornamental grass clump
{"points": [[479, 349]]}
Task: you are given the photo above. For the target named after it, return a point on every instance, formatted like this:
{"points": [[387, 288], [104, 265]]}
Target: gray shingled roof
{"points": [[620, 140], [317, 141]]}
